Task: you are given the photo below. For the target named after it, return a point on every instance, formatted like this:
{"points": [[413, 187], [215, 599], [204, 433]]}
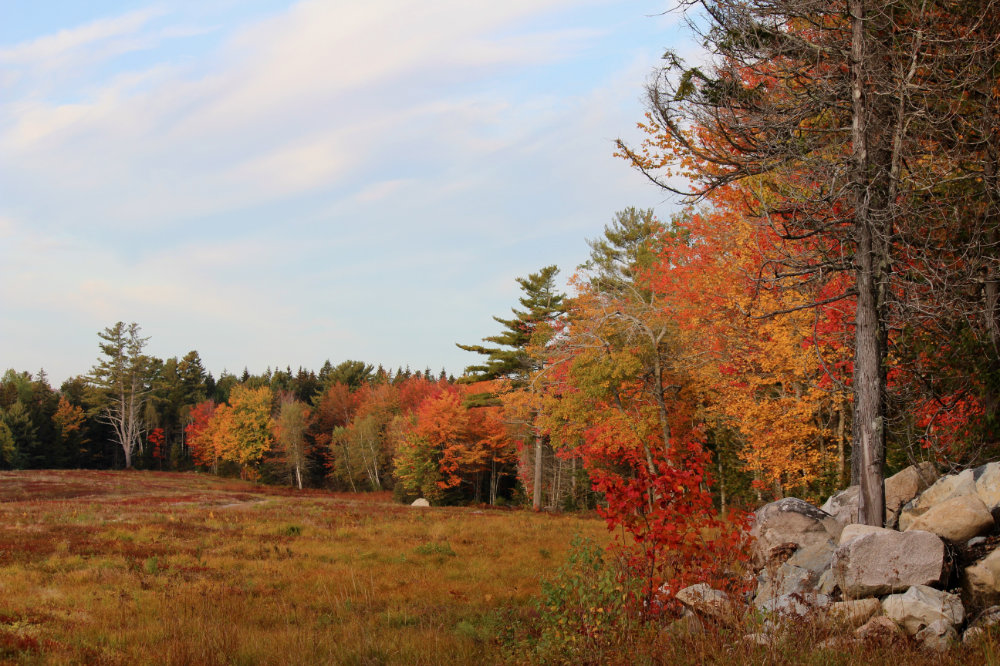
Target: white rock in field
{"points": [[420, 501]]}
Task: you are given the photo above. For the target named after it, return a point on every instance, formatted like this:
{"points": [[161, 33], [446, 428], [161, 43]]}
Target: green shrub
{"points": [[587, 613], [292, 531]]}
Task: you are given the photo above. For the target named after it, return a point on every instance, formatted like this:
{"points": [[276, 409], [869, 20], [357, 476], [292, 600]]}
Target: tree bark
{"points": [[536, 500], [869, 351], [841, 448]]}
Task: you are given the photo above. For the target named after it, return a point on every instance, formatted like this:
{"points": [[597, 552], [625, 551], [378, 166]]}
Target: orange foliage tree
{"points": [[774, 380], [199, 436]]}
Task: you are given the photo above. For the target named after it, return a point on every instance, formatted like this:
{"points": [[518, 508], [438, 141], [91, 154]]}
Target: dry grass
{"points": [[143, 567]]}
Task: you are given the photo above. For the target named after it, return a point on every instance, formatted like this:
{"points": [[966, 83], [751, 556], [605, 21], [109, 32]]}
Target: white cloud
{"points": [[382, 189], [289, 104], [52, 50], [316, 181]]}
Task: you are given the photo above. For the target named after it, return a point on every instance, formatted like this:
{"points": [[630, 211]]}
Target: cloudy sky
{"points": [[280, 183]]}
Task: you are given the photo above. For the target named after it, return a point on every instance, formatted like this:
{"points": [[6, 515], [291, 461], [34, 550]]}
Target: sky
{"points": [[280, 183]]}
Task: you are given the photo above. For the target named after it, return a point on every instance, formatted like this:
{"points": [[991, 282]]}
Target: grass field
{"points": [[144, 567]]}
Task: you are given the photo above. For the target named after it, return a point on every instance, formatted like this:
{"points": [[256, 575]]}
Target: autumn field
{"points": [[145, 567], [103, 567]]}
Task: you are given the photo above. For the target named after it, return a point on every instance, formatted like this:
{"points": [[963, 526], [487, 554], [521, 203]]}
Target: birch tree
{"points": [[290, 435], [121, 379]]}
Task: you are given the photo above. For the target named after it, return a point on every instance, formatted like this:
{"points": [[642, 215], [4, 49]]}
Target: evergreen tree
{"points": [[8, 448], [511, 360], [23, 435], [354, 374], [624, 249], [194, 379]]}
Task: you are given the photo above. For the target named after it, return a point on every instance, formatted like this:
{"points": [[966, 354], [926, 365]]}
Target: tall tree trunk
{"points": [[869, 417], [871, 218], [841, 448], [661, 402], [722, 482], [536, 500]]}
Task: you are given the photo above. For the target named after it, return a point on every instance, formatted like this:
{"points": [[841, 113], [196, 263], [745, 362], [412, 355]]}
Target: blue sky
{"points": [[277, 183]]}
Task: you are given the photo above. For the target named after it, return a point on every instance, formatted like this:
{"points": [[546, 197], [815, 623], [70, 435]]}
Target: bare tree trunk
{"points": [[661, 402], [869, 355], [493, 480], [347, 464], [536, 500], [841, 448], [572, 481], [554, 495], [722, 482]]}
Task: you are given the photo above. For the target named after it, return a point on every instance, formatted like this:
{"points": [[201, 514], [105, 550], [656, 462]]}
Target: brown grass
{"points": [[145, 567]]}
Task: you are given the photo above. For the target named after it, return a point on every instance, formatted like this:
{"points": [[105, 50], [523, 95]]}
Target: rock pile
{"points": [[938, 559]]}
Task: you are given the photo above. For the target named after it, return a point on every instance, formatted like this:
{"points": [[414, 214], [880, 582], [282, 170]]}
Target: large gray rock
{"points": [[786, 579], [857, 530], [879, 629], [420, 501], [900, 488], [816, 558], [988, 484], [888, 561], [843, 505], [852, 613], [986, 620], [827, 583], [790, 521], [688, 624], [904, 486], [938, 636], [953, 485], [796, 605], [707, 602], [920, 606], [956, 519], [981, 581]]}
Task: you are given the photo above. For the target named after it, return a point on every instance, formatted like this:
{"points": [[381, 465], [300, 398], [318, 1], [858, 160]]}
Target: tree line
{"points": [[351, 426]]}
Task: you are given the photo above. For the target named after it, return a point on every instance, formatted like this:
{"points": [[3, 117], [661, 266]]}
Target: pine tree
{"points": [[511, 359]]}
